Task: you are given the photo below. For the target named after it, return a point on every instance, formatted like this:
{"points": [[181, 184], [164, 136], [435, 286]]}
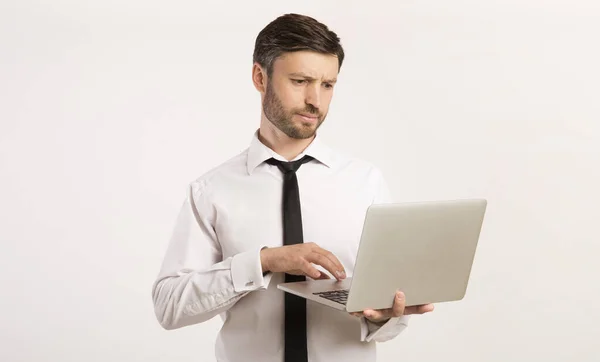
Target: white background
{"points": [[109, 108]]}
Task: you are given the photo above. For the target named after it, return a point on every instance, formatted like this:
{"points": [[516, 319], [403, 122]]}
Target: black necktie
{"points": [[295, 307]]}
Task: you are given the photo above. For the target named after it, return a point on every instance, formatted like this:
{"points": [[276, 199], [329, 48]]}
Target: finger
{"points": [[329, 255], [377, 315], [323, 261], [419, 309], [399, 306], [323, 275], [422, 309], [310, 271]]}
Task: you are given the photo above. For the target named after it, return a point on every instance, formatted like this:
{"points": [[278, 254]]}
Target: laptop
{"points": [[425, 249]]}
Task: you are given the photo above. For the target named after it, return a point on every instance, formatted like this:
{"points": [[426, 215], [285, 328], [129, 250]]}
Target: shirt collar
{"points": [[259, 153]]}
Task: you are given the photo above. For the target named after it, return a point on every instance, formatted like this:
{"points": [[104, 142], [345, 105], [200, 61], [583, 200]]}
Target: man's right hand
{"points": [[298, 259]]}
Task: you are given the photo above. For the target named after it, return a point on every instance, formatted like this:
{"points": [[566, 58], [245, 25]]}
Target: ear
{"points": [[259, 78]]}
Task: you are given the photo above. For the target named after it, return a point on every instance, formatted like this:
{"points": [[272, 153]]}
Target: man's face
{"points": [[299, 91]]}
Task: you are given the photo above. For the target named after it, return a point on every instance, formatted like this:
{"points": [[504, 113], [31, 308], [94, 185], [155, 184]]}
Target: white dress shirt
{"points": [[212, 264]]}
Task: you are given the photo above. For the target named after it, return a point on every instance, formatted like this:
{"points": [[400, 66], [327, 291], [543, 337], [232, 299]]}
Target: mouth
{"points": [[308, 117]]}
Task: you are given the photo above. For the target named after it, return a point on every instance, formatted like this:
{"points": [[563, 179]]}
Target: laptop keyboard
{"points": [[339, 296]]}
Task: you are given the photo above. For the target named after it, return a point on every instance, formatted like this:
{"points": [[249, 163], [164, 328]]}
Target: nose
{"points": [[313, 95]]}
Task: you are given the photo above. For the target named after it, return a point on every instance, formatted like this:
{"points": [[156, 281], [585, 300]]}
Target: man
{"points": [[286, 208]]}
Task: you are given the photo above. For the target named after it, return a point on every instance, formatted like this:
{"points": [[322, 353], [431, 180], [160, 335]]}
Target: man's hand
{"points": [[397, 310], [298, 259]]}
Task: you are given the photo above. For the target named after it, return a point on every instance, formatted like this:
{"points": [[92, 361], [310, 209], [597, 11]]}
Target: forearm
{"points": [[186, 297]]}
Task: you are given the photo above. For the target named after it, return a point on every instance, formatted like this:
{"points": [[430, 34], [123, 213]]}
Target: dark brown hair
{"points": [[291, 33]]}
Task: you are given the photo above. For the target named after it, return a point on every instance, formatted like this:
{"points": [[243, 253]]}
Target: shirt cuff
{"points": [[378, 332], [246, 272]]}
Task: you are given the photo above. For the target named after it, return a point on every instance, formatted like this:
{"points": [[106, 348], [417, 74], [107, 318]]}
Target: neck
{"points": [[279, 142]]}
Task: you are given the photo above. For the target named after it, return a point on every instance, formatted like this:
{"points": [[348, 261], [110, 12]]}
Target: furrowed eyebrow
{"points": [[305, 76]]}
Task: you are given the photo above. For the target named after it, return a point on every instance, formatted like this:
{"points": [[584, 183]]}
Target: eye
{"points": [[299, 81], [328, 85]]}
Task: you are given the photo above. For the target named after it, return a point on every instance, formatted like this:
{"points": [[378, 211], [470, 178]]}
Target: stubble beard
{"points": [[283, 120]]}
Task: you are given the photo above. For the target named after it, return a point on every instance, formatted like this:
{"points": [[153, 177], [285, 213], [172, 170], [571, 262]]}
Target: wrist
{"points": [[263, 260], [378, 322]]}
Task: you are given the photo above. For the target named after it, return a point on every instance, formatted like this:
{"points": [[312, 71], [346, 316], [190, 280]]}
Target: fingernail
{"points": [[340, 274], [400, 295]]}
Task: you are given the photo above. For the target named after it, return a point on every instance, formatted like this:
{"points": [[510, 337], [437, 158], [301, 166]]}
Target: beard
{"points": [[283, 119]]}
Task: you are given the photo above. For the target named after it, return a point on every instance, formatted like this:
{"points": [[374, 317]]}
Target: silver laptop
{"points": [[425, 249]]}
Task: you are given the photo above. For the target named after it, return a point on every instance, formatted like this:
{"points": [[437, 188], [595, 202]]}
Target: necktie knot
{"points": [[286, 166]]}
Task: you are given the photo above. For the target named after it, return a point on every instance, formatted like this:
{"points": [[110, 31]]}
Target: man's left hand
{"points": [[398, 309]]}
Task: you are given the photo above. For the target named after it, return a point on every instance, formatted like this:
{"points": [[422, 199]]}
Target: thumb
{"points": [[399, 304]]}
